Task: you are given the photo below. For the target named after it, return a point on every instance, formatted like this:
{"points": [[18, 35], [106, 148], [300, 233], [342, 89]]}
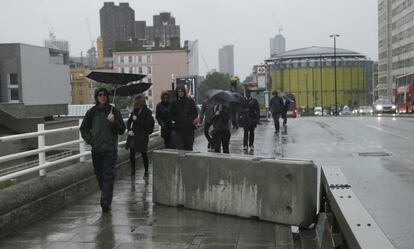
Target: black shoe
{"points": [[146, 174], [105, 206]]}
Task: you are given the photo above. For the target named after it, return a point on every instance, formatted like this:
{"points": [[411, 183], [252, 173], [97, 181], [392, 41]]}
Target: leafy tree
{"points": [[215, 81]]}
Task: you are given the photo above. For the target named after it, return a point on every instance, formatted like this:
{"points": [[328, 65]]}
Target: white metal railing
{"points": [[43, 164]]}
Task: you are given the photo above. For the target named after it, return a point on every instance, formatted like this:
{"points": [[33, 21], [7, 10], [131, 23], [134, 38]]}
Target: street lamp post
{"points": [[320, 71], [334, 36]]}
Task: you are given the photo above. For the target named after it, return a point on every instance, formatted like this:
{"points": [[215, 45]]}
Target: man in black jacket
{"points": [[276, 107], [221, 132], [249, 119], [206, 115], [100, 128], [184, 115], [164, 119]]}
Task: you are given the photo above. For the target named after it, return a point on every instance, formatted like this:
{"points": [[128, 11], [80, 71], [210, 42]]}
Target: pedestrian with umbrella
{"points": [[140, 126], [249, 120], [185, 118], [221, 128], [100, 128]]}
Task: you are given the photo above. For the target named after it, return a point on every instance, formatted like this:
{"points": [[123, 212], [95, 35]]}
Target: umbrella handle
{"points": [[113, 100]]}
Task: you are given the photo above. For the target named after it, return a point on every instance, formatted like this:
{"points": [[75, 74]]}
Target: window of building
{"points": [[13, 79], [130, 59], [121, 59], [149, 92], [130, 70], [144, 59], [122, 70], [148, 58], [139, 69], [149, 70], [139, 58], [149, 80], [125, 58], [14, 94]]}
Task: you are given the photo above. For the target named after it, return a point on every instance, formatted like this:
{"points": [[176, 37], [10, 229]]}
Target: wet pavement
{"points": [[135, 222], [384, 184]]}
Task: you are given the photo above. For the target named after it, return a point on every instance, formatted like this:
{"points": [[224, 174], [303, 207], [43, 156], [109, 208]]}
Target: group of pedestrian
{"points": [[218, 120], [103, 123], [178, 120]]}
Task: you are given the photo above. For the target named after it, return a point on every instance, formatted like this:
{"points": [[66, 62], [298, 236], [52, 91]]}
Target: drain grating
{"points": [[376, 154]]}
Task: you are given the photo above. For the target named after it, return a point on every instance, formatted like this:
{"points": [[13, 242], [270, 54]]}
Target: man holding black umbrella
{"points": [[185, 117], [100, 128]]}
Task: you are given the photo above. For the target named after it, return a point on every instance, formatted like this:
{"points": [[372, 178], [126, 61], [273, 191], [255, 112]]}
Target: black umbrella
{"points": [[131, 89], [225, 98], [115, 78]]}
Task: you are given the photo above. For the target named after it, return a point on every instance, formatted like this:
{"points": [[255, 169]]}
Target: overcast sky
{"points": [[247, 24]]}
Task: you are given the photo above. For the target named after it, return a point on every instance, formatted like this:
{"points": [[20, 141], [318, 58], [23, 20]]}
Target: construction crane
{"points": [[205, 63], [52, 35], [90, 33], [92, 51]]}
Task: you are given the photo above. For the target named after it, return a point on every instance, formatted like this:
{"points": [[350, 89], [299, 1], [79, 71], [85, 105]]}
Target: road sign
{"points": [[261, 70]]}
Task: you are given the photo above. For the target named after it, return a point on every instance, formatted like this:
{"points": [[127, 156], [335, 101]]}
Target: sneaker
{"points": [[105, 206], [252, 149], [245, 148]]}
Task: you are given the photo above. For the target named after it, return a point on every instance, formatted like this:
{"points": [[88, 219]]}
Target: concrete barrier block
{"points": [[282, 191]]}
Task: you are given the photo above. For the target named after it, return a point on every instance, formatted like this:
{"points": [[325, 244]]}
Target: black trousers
{"points": [[207, 126], [184, 140], [221, 139], [284, 117], [276, 117], [104, 166], [144, 159], [166, 134], [248, 137]]}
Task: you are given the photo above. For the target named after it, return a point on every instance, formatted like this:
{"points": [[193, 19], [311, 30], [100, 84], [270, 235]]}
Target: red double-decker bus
{"points": [[404, 96]]}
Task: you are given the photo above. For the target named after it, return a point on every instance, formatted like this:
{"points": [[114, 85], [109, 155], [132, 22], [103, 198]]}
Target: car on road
{"points": [[317, 111], [346, 111], [365, 110], [384, 106]]}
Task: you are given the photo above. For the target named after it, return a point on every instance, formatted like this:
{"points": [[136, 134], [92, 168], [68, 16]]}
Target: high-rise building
{"points": [[192, 48], [396, 43], [117, 24], [226, 59], [57, 44], [277, 45]]}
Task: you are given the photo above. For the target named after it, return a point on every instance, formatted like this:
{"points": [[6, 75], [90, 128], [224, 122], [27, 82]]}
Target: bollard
{"points": [[82, 148], [41, 145]]}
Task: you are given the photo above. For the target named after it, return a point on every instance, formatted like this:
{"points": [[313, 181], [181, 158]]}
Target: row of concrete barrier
{"points": [[281, 191]]}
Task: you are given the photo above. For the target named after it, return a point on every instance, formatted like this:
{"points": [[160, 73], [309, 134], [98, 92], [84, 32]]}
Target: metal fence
{"points": [[42, 162]]}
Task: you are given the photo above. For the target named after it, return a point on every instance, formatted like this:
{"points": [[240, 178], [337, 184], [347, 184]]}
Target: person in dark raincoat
{"points": [[249, 120], [221, 129], [206, 115], [140, 125], [185, 118], [276, 106], [100, 128], [164, 119]]}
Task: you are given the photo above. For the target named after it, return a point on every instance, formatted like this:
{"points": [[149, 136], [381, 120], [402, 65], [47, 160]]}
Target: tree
{"points": [[213, 81]]}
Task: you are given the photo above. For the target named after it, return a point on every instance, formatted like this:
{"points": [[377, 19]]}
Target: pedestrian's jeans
{"points": [[221, 138], [276, 117], [104, 166], [184, 140], [207, 126], [248, 137], [166, 134]]}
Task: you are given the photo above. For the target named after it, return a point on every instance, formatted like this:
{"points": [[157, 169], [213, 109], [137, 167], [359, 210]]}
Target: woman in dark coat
{"points": [[140, 125], [249, 119]]}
